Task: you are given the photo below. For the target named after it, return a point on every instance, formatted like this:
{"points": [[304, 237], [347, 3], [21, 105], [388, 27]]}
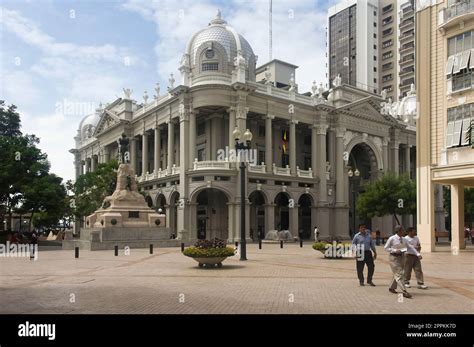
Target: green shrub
{"points": [[196, 252], [320, 246]]}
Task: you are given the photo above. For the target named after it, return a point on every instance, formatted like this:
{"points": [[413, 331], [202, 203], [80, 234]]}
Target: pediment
{"points": [[369, 110], [108, 119]]}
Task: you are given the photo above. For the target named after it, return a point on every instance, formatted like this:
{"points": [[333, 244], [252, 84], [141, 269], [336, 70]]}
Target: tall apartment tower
{"points": [[352, 43], [371, 45]]}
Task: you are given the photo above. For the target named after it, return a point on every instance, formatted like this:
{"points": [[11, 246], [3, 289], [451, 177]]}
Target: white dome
{"points": [[88, 124], [219, 32]]}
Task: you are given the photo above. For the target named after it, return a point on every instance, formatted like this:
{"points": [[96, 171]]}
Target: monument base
{"points": [[94, 239]]}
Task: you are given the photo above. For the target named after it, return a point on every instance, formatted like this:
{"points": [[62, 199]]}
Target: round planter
{"points": [[210, 262]]}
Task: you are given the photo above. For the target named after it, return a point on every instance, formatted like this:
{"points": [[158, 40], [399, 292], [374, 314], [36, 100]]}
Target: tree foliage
{"points": [[91, 188], [26, 186], [390, 195]]}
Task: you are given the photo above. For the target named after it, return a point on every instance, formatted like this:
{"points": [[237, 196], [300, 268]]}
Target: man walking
{"points": [[366, 246], [397, 245], [412, 262]]}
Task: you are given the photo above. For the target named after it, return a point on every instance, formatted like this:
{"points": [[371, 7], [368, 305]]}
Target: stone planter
{"points": [[210, 262]]}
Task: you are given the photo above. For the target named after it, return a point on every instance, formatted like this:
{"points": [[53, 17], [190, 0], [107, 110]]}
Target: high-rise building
{"points": [[445, 81], [371, 45]]}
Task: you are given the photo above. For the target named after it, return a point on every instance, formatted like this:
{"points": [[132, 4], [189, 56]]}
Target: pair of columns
{"points": [[156, 149]]}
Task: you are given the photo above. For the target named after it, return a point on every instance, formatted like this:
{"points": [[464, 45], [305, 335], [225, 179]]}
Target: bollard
{"points": [[151, 249], [259, 244], [236, 244], [116, 250], [281, 244], [76, 252], [182, 247], [301, 243]]}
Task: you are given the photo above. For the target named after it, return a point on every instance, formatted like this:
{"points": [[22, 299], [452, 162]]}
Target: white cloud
{"points": [[298, 31], [18, 87]]}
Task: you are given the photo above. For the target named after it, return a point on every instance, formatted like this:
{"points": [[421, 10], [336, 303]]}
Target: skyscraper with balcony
{"points": [[371, 45]]}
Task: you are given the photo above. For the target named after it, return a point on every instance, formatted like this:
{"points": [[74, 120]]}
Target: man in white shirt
{"points": [[397, 245], [412, 262], [316, 234]]}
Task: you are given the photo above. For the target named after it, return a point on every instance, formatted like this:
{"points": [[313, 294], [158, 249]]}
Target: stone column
{"points": [[170, 145], [269, 217], [385, 154], [241, 118], [192, 138], [133, 154], [407, 160], [208, 139], [157, 149], [232, 123], [294, 220], [457, 217], [340, 167], [314, 149], [332, 151], [395, 157], [93, 163], [106, 154], [144, 153], [321, 165], [214, 135], [231, 222], [293, 123], [183, 214], [268, 142], [440, 218]]}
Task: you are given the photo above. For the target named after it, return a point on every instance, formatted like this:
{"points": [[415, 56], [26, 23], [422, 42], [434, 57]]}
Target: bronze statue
{"points": [[123, 149]]}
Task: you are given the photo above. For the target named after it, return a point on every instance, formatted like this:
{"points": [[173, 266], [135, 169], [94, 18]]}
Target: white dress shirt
{"points": [[414, 242], [396, 242]]}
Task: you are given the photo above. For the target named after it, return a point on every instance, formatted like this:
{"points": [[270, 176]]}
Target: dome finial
{"points": [[218, 19]]}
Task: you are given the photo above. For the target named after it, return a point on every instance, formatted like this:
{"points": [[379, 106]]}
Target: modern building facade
{"points": [[445, 79], [371, 45], [306, 145]]}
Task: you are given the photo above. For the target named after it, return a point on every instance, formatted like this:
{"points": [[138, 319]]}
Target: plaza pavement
{"points": [[273, 280]]}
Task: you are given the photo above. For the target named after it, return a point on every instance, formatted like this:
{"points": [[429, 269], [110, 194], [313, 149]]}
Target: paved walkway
{"points": [[273, 280]]}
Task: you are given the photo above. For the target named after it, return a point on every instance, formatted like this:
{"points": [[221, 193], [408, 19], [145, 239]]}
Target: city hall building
{"points": [[314, 151]]}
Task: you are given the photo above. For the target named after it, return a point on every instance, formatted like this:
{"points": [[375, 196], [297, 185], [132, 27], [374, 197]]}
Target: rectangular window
{"points": [[210, 67], [387, 32], [463, 80], [261, 130], [460, 43], [201, 128], [459, 119]]}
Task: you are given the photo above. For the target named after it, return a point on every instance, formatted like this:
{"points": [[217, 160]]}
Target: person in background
{"points": [[397, 245], [364, 241], [377, 237], [472, 235], [316, 233], [412, 261]]}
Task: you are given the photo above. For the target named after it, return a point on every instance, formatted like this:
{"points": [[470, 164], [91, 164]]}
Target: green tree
{"points": [[25, 180], [468, 204], [390, 195], [91, 188]]}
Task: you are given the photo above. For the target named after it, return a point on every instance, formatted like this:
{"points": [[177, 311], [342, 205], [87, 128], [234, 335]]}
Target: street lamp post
{"points": [[241, 148], [353, 177]]}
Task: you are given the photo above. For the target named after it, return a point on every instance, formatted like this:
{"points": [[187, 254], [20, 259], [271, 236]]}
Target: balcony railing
{"points": [[304, 173], [281, 170], [453, 11], [211, 165], [262, 168]]}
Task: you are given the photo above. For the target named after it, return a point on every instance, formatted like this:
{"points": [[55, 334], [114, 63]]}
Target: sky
{"points": [[60, 59]]}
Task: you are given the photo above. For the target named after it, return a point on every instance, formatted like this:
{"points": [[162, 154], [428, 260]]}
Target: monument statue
{"points": [[123, 149]]}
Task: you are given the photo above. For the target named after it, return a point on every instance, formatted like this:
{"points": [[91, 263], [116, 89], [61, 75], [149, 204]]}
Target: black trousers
{"points": [[369, 260]]}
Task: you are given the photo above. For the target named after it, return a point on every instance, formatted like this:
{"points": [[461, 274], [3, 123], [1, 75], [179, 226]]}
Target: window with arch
{"points": [[210, 60]]}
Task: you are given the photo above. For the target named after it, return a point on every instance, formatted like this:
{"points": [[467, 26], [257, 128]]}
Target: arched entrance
{"points": [[212, 214], [304, 216], [282, 211], [257, 215], [363, 160], [173, 213], [160, 204]]}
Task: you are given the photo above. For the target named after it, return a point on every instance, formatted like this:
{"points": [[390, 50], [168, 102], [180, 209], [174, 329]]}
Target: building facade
{"points": [[445, 79], [306, 144], [371, 45]]}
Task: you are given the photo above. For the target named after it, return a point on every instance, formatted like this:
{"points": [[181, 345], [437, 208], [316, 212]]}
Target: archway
{"points": [[160, 204], [212, 214], [362, 160], [149, 201], [282, 211], [257, 215], [173, 213], [304, 216]]}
